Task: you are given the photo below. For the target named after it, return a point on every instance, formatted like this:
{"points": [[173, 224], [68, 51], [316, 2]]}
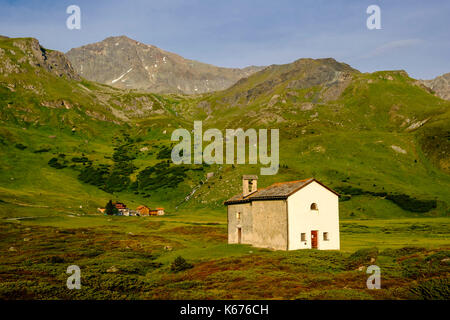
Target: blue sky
{"points": [[415, 34]]}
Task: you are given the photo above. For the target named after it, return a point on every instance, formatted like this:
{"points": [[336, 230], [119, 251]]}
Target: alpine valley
{"points": [[93, 125]]}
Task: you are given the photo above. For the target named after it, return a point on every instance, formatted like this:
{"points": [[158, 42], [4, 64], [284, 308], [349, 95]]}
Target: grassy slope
{"points": [[348, 142], [343, 142]]}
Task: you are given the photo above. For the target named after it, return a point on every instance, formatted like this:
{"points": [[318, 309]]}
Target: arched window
{"points": [[314, 207]]}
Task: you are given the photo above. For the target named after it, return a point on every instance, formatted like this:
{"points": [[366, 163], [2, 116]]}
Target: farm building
{"points": [[140, 211], [146, 211], [128, 212], [123, 210], [302, 214], [119, 205], [143, 210]]}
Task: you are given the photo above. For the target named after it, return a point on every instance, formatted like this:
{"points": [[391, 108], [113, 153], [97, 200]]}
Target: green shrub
{"points": [[164, 153], [116, 182], [54, 163], [411, 204], [20, 146], [402, 200], [55, 259], [161, 175], [180, 264], [42, 150], [94, 176], [80, 160], [433, 289]]}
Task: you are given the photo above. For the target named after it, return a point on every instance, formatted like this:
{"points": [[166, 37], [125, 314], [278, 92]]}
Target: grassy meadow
{"points": [[131, 258]]}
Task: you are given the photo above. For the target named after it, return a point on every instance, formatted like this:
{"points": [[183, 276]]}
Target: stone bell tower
{"points": [[249, 184]]}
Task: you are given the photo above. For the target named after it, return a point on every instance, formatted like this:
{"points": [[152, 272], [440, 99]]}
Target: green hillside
{"points": [[49, 116], [380, 139]]}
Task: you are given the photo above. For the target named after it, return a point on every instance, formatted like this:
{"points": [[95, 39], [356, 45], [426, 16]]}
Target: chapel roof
{"points": [[276, 191]]}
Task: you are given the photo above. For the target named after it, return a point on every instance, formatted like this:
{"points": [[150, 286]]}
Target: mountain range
{"points": [[128, 64], [380, 139]]}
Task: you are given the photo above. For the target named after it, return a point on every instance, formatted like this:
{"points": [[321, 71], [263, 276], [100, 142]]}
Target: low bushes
{"points": [[404, 201], [362, 257], [433, 289], [396, 253], [54, 163]]}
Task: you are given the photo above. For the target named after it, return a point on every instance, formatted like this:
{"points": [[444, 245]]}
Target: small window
{"points": [[314, 207], [238, 215], [325, 236], [303, 237]]}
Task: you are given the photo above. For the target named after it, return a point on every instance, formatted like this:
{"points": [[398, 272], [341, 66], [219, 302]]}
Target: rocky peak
{"points": [[128, 64], [332, 76]]}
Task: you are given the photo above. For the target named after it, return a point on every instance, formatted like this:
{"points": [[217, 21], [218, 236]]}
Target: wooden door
{"points": [[314, 239], [239, 230]]}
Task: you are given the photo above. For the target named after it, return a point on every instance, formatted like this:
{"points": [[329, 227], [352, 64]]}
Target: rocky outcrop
{"points": [[33, 54], [440, 85]]}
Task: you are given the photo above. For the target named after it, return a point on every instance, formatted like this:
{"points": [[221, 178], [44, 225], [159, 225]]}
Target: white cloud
{"points": [[391, 46]]}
